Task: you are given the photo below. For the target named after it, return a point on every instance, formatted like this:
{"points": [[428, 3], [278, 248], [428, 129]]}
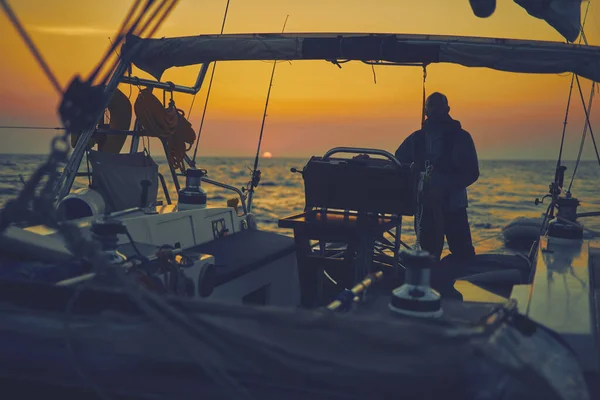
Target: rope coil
{"points": [[166, 123]]}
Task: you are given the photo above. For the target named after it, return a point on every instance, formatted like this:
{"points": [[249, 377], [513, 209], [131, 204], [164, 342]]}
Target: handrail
{"points": [[164, 187], [123, 132], [226, 186], [63, 184], [134, 80], [359, 150], [160, 177], [589, 214]]}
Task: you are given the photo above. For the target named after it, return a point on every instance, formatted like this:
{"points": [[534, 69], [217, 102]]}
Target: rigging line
{"points": [[487, 238], [116, 52], [424, 96], [164, 16], [154, 16], [32, 48], [583, 36], [545, 219], [87, 162], [63, 184], [212, 74], [192, 105], [262, 127], [562, 140], [587, 125], [374, 76], [128, 17], [57, 128], [587, 115], [132, 30], [585, 128], [126, 26]]}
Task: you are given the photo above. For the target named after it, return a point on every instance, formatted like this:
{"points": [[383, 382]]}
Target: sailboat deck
{"points": [[594, 259], [595, 282]]}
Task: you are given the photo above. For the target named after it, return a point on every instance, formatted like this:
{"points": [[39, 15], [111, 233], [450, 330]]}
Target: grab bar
{"points": [[164, 186], [358, 150], [226, 186]]}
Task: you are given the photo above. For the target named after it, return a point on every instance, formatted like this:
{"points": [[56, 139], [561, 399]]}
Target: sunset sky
{"points": [[314, 105]]}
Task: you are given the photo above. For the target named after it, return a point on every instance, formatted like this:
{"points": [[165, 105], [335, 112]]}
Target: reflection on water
{"points": [[504, 191]]}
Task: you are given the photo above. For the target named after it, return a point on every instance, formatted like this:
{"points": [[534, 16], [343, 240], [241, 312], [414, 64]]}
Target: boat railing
{"points": [[359, 150], [174, 174], [134, 80], [161, 177], [137, 134], [228, 187]]}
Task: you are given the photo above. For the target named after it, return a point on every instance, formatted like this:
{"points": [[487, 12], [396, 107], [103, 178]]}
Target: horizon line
{"points": [[161, 156]]}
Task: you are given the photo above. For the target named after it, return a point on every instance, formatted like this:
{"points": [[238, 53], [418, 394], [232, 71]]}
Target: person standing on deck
{"points": [[450, 151]]}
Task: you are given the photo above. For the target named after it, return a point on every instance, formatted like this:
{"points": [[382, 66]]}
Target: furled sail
{"points": [[525, 56], [562, 15]]}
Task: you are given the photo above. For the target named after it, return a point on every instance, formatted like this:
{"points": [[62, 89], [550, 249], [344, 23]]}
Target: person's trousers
{"points": [[439, 222]]}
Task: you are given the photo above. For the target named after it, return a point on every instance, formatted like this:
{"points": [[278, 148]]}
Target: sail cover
{"points": [[157, 55], [562, 15]]}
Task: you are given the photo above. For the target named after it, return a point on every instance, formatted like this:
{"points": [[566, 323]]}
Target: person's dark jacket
{"points": [[451, 151]]}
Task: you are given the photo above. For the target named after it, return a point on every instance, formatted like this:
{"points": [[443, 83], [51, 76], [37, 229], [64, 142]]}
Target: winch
{"points": [[565, 225], [106, 232], [415, 297], [192, 195]]}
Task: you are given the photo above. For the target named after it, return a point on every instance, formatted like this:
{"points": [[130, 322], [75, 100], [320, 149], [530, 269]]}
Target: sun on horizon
{"points": [[267, 154]]}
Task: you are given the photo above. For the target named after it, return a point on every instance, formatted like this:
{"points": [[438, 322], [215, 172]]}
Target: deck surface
{"points": [[594, 379], [595, 285]]}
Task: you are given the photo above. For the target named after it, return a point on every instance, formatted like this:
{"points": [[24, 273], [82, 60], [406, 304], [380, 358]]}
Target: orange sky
{"points": [[314, 105]]}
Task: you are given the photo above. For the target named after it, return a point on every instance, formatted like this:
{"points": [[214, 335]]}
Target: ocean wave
{"points": [[505, 191], [8, 191], [484, 225]]}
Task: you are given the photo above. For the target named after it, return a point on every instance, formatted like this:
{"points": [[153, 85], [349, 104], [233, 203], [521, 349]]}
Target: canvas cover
{"points": [[179, 349], [118, 178], [525, 56]]}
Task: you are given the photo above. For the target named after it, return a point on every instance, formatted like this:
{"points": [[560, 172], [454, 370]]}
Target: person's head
{"points": [[436, 105]]}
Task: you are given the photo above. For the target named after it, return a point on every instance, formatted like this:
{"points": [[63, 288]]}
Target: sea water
{"points": [[505, 190]]}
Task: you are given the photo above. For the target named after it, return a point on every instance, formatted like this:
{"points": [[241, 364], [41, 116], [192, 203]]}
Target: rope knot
{"points": [[166, 123]]}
